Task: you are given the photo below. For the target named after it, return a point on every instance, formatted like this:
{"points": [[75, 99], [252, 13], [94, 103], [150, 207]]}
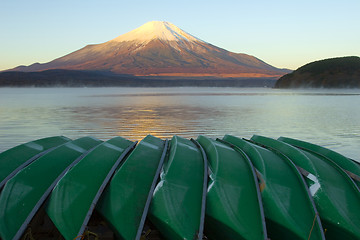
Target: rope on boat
{"points": [[353, 175], [28, 234], [313, 224], [80, 236], [261, 180], [144, 236], [87, 234]]}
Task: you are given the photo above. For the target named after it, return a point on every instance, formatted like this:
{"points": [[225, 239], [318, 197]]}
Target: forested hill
{"points": [[341, 72]]}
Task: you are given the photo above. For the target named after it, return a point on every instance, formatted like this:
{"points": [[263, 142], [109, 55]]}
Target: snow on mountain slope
{"points": [[156, 30]]}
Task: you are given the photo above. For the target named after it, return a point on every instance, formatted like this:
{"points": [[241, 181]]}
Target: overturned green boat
{"points": [[30, 151], [289, 209], [234, 208], [24, 193], [74, 197], [178, 203], [336, 196], [125, 202], [350, 167], [58, 188]]}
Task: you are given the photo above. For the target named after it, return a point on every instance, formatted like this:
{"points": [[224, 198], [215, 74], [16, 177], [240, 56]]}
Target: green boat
{"points": [[24, 193], [55, 188], [349, 166], [125, 201], [233, 204], [16, 158], [73, 199], [334, 194], [289, 209], [177, 201]]}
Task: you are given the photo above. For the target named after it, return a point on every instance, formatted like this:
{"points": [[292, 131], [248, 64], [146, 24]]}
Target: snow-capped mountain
{"points": [[156, 30], [160, 49]]}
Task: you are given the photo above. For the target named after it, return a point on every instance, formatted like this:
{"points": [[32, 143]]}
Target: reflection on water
{"points": [[329, 118], [135, 122]]}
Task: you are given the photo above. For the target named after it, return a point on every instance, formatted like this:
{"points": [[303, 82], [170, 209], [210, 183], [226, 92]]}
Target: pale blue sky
{"points": [[285, 34]]}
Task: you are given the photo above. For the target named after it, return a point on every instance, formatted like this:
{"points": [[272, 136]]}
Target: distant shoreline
{"points": [[72, 78]]}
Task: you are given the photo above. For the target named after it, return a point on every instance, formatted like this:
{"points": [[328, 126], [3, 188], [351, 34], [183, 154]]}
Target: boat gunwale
{"points": [[302, 145], [345, 176], [31, 159], [290, 162], [37, 206], [253, 170], [204, 191], [346, 173], [104, 184], [214, 148], [356, 162], [25, 164], [342, 171], [296, 172], [152, 188]]}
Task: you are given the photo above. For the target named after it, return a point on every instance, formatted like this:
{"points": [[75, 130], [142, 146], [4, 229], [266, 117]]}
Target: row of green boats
{"points": [[230, 188]]}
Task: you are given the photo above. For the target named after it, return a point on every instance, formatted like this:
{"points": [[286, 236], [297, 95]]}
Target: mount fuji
{"points": [[160, 49]]}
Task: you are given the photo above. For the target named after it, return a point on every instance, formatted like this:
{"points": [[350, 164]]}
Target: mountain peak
{"points": [[156, 30], [160, 49]]}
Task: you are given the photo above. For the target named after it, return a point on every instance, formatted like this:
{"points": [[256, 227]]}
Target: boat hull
{"points": [[333, 192], [23, 194], [16, 158], [70, 201], [177, 201], [233, 204], [349, 166], [288, 206], [124, 200], [208, 189]]}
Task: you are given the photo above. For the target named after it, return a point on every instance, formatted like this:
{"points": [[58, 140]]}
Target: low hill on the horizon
{"points": [[342, 72]]}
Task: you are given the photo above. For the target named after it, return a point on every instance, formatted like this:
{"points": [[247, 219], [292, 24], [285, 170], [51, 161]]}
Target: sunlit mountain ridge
{"points": [[160, 49]]}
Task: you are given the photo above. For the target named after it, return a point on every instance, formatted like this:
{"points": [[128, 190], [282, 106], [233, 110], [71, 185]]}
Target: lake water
{"points": [[330, 118]]}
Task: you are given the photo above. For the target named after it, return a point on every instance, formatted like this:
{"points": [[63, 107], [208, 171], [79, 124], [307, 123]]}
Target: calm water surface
{"points": [[329, 118]]}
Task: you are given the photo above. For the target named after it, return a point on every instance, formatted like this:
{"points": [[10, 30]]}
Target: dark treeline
{"points": [[72, 78]]}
